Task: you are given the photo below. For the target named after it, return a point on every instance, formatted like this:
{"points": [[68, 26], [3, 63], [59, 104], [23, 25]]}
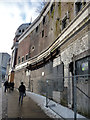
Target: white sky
{"points": [[13, 13]]}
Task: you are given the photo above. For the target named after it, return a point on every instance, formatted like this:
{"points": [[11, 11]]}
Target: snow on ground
{"points": [[53, 108], [0, 103], [41, 101]]}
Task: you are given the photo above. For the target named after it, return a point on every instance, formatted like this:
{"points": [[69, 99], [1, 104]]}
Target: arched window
{"points": [[22, 30]]}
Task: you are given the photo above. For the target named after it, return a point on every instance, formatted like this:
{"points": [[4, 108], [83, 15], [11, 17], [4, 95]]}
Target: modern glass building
{"points": [[4, 58]]}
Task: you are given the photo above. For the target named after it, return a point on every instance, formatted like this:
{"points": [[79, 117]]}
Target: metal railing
{"points": [[79, 89]]}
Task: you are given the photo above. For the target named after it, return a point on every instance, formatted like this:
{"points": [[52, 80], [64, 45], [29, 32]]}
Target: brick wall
{"points": [[77, 44], [52, 28]]}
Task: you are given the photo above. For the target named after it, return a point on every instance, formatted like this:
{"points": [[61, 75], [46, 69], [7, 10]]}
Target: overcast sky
{"points": [[13, 13]]}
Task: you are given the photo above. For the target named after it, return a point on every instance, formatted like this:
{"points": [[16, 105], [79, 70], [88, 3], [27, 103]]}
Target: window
{"points": [[84, 2], [18, 59], [43, 33], [19, 31], [51, 8], [22, 59], [64, 23], [71, 67], [23, 30], [58, 82], [27, 56], [37, 29], [33, 48], [82, 66], [78, 6], [44, 20]]}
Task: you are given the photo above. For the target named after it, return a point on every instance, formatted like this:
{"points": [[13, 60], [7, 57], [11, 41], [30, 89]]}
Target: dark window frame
{"points": [[33, 48], [37, 29], [27, 56], [42, 33], [84, 2], [19, 31], [78, 7], [64, 23], [51, 8], [22, 30], [19, 60], [44, 20], [23, 59]]}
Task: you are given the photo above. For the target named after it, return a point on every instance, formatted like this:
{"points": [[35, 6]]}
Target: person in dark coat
{"points": [[22, 90], [6, 86], [9, 86], [12, 85]]}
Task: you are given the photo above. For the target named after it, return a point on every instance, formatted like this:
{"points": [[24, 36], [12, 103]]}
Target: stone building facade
{"points": [[14, 48], [48, 49]]}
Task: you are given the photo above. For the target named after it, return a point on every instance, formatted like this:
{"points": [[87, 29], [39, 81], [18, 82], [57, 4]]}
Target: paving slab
{"points": [[29, 109]]}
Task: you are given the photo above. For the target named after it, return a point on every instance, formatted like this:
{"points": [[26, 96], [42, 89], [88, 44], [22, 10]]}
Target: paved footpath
{"points": [[29, 109]]}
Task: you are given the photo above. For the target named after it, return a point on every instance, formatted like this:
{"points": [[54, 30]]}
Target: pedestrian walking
{"points": [[12, 86], [6, 86], [22, 92], [9, 86]]}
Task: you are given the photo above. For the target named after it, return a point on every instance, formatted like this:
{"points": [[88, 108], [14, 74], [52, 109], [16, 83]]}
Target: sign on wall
{"points": [[82, 66], [28, 73]]}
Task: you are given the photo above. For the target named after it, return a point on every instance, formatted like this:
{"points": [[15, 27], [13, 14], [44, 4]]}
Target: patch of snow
{"points": [[41, 101], [54, 110]]}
